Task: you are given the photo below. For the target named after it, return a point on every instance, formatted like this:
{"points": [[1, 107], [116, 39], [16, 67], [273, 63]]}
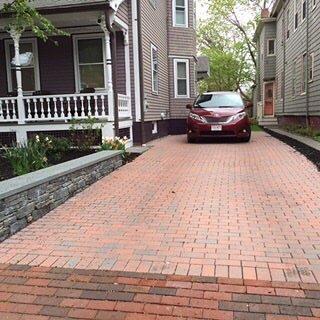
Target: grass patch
{"points": [[255, 127], [303, 131]]}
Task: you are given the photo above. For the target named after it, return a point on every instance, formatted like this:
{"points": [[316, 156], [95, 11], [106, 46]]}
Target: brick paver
{"points": [[36, 293], [246, 211]]}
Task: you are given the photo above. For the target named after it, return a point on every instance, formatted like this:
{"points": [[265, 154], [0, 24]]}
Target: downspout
{"points": [[114, 72], [307, 86], [142, 95]]}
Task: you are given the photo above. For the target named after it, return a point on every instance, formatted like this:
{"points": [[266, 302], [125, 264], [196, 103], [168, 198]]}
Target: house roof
{"points": [[59, 3]]}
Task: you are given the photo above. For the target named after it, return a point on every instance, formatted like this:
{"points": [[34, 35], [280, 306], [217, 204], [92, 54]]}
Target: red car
{"points": [[218, 114]]}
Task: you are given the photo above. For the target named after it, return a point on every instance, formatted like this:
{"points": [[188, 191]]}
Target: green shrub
{"points": [[303, 131], [26, 158]]}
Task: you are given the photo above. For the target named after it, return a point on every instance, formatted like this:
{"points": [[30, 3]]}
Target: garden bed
{"points": [[6, 171], [310, 153]]}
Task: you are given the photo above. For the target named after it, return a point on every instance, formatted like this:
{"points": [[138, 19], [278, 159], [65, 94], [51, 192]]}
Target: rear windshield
{"points": [[221, 100]]}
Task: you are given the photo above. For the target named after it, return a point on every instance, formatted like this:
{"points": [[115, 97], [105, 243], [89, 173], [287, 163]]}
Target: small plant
{"points": [[55, 147], [90, 128], [303, 131], [27, 157], [115, 144]]}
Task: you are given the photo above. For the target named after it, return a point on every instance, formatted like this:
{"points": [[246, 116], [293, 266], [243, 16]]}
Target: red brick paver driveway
{"points": [[249, 211]]}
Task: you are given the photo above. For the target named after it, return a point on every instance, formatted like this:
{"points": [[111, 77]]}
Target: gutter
{"points": [[142, 94], [114, 71]]}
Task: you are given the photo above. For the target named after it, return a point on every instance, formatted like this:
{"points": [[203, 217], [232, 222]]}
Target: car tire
{"points": [[246, 139], [191, 140]]}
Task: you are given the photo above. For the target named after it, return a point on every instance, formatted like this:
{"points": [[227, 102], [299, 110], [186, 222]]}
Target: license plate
{"points": [[216, 128]]}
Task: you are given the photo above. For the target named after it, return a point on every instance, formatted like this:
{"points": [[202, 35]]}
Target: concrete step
{"points": [[268, 122]]}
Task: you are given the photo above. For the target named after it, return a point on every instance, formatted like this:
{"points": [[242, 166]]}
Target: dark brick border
{"points": [[91, 294]]}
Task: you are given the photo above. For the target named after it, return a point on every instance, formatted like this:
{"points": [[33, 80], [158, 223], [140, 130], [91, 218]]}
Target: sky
{"points": [[202, 9]]}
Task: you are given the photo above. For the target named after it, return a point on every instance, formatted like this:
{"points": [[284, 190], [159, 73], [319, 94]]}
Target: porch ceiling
{"points": [[60, 3]]}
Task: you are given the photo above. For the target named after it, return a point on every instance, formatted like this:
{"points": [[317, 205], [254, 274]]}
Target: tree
{"points": [[226, 37]]}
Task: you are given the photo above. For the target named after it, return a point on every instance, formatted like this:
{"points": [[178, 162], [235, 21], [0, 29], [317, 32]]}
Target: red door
{"points": [[268, 99]]}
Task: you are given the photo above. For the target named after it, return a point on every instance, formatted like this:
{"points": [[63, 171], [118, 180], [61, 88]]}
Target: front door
{"points": [[268, 99]]}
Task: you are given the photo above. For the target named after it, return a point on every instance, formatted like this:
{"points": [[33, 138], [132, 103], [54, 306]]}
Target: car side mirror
{"points": [[249, 105], [189, 106]]}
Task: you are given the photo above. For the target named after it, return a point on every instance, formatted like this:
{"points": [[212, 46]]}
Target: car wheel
{"points": [[246, 139], [191, 140]]}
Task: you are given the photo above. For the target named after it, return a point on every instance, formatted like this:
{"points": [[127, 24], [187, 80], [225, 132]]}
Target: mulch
{"points": [[310, 153]]}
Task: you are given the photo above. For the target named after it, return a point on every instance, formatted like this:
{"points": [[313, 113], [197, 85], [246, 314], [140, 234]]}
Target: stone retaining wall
{"points": [[27, 198]]}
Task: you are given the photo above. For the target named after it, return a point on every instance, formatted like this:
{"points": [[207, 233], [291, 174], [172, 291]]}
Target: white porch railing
{"points": [[8, 110], [62, 107], [124, 104], [65, 107]]}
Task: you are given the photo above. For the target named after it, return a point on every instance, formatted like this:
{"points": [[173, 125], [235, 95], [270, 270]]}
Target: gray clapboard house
{"points": [[288, 77], [131, 64]]}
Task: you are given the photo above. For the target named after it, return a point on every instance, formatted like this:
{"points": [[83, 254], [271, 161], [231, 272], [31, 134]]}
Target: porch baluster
{"points": [[1, 111], [42, 109], [36, 116], [82, 107], [69, 108], [7, 110], [14, 116], [29, 116], [49, 109], [89, 106], [76, 114], [103, 106], [55, 114], [62, 115], [96, 114]]}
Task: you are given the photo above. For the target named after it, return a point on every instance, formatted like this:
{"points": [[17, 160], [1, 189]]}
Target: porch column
{"points": [[127, 65], [108, 67], [16, 35]]}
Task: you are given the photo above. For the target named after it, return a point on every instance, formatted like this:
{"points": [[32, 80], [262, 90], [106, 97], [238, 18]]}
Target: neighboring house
{"points": [[153, 72], [288, 77]]}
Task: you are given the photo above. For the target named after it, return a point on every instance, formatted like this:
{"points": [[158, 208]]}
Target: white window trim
{"points": [[174, 16], [312, 56], [154, 48], [303, 19], [175, 77], [34, 43], [76, 59], [303, 75], [268, 47]]}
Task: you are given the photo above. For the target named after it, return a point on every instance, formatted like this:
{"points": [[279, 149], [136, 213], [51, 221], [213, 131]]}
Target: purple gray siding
{"points": [[155, 32], [57, 66]]}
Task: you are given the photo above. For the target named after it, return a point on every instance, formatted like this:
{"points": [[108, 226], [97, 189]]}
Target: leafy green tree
{"points": [[23, 16], [226, 38]]}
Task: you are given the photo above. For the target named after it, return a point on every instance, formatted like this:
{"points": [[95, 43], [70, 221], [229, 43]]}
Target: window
{"points": [[271, 47], [154, 69], [296, 15], [180, 13], [294, 77], [153, 3], [314, 4], [304, 73], [311, 67], [154, 127], [181, 78], [304, 10], [30, 73], [288, 24], [89, 61]]}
